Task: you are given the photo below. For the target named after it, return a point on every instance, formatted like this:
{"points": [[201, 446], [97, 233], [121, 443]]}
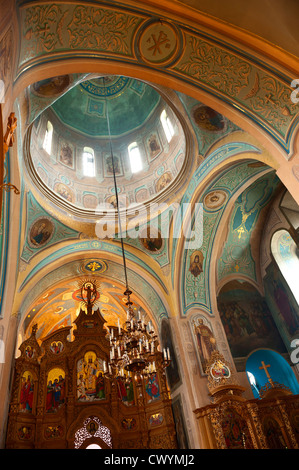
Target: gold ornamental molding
{"points": [[7, 141], [51, 33]]}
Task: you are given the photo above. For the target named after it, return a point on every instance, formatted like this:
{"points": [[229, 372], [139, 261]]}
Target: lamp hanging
{"points": [[133, 345]]}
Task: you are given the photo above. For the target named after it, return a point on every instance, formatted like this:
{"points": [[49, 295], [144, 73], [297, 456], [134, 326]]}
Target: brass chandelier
{"points": [[134, 346]]}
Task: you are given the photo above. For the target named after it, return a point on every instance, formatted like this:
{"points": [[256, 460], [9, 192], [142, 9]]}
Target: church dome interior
{"points": [[71, 142], [149, 225]]}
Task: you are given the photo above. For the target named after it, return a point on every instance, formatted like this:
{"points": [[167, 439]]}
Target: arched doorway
{"points": [[93, 435]]}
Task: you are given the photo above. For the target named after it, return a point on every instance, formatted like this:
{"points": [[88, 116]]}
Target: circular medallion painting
{"points": [[215, 199], [41, 232], [219, 370]]}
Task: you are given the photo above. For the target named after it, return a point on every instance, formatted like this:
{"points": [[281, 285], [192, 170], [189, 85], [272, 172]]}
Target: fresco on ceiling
{"points": [[94, 266], [41, 232], [281, 301], [117, 98], [149, 242], [63, 172], [141, 195], [90, 378], [106, 87], [120, 33], [154, 145], [208, 124], [247, 320], [215, 199], [114, 273], [172, 371], [108, 165], [64, 191], [208, 119], [196, 263], [237, 255], [163, 181], [55, 390], [53, 86], [66, 155], [59, 307], [90, 201], [27, 392], [123, 201], [204, 339], [196, 290]]}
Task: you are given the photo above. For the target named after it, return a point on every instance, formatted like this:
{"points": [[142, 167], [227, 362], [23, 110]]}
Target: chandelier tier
{"points": [[134, 346]]}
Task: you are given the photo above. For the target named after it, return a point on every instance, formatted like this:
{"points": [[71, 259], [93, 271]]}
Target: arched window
{"points": [[286, 255], [135, 158], [167, 126], [88, 162], [264, 365], [93, 446], [47, 145]]}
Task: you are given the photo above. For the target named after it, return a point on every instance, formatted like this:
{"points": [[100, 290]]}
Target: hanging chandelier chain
{"points": [[115, 188], [133, 348]]}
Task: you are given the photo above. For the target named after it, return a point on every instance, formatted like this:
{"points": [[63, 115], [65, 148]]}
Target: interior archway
{"points": [[276, 366]]}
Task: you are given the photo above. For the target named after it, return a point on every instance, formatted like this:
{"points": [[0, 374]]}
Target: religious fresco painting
{"points": [[53, 432], [55, 390], [163, 181], [172, 371], [64, 191], [179, 420], [151, 243], [156, 420], [27, 392], [235, 431], [215, 199], [25, 433], [90, 201], [108, 165], [152, 388], [196, 263], [66, 155], [41, 232], [129, 423], [56, 347], [208, 119], [273, 434], [281, 300], [204, 339], [247, 320], [154, 145], [90, 378], [51, 87], [125, 390]]}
